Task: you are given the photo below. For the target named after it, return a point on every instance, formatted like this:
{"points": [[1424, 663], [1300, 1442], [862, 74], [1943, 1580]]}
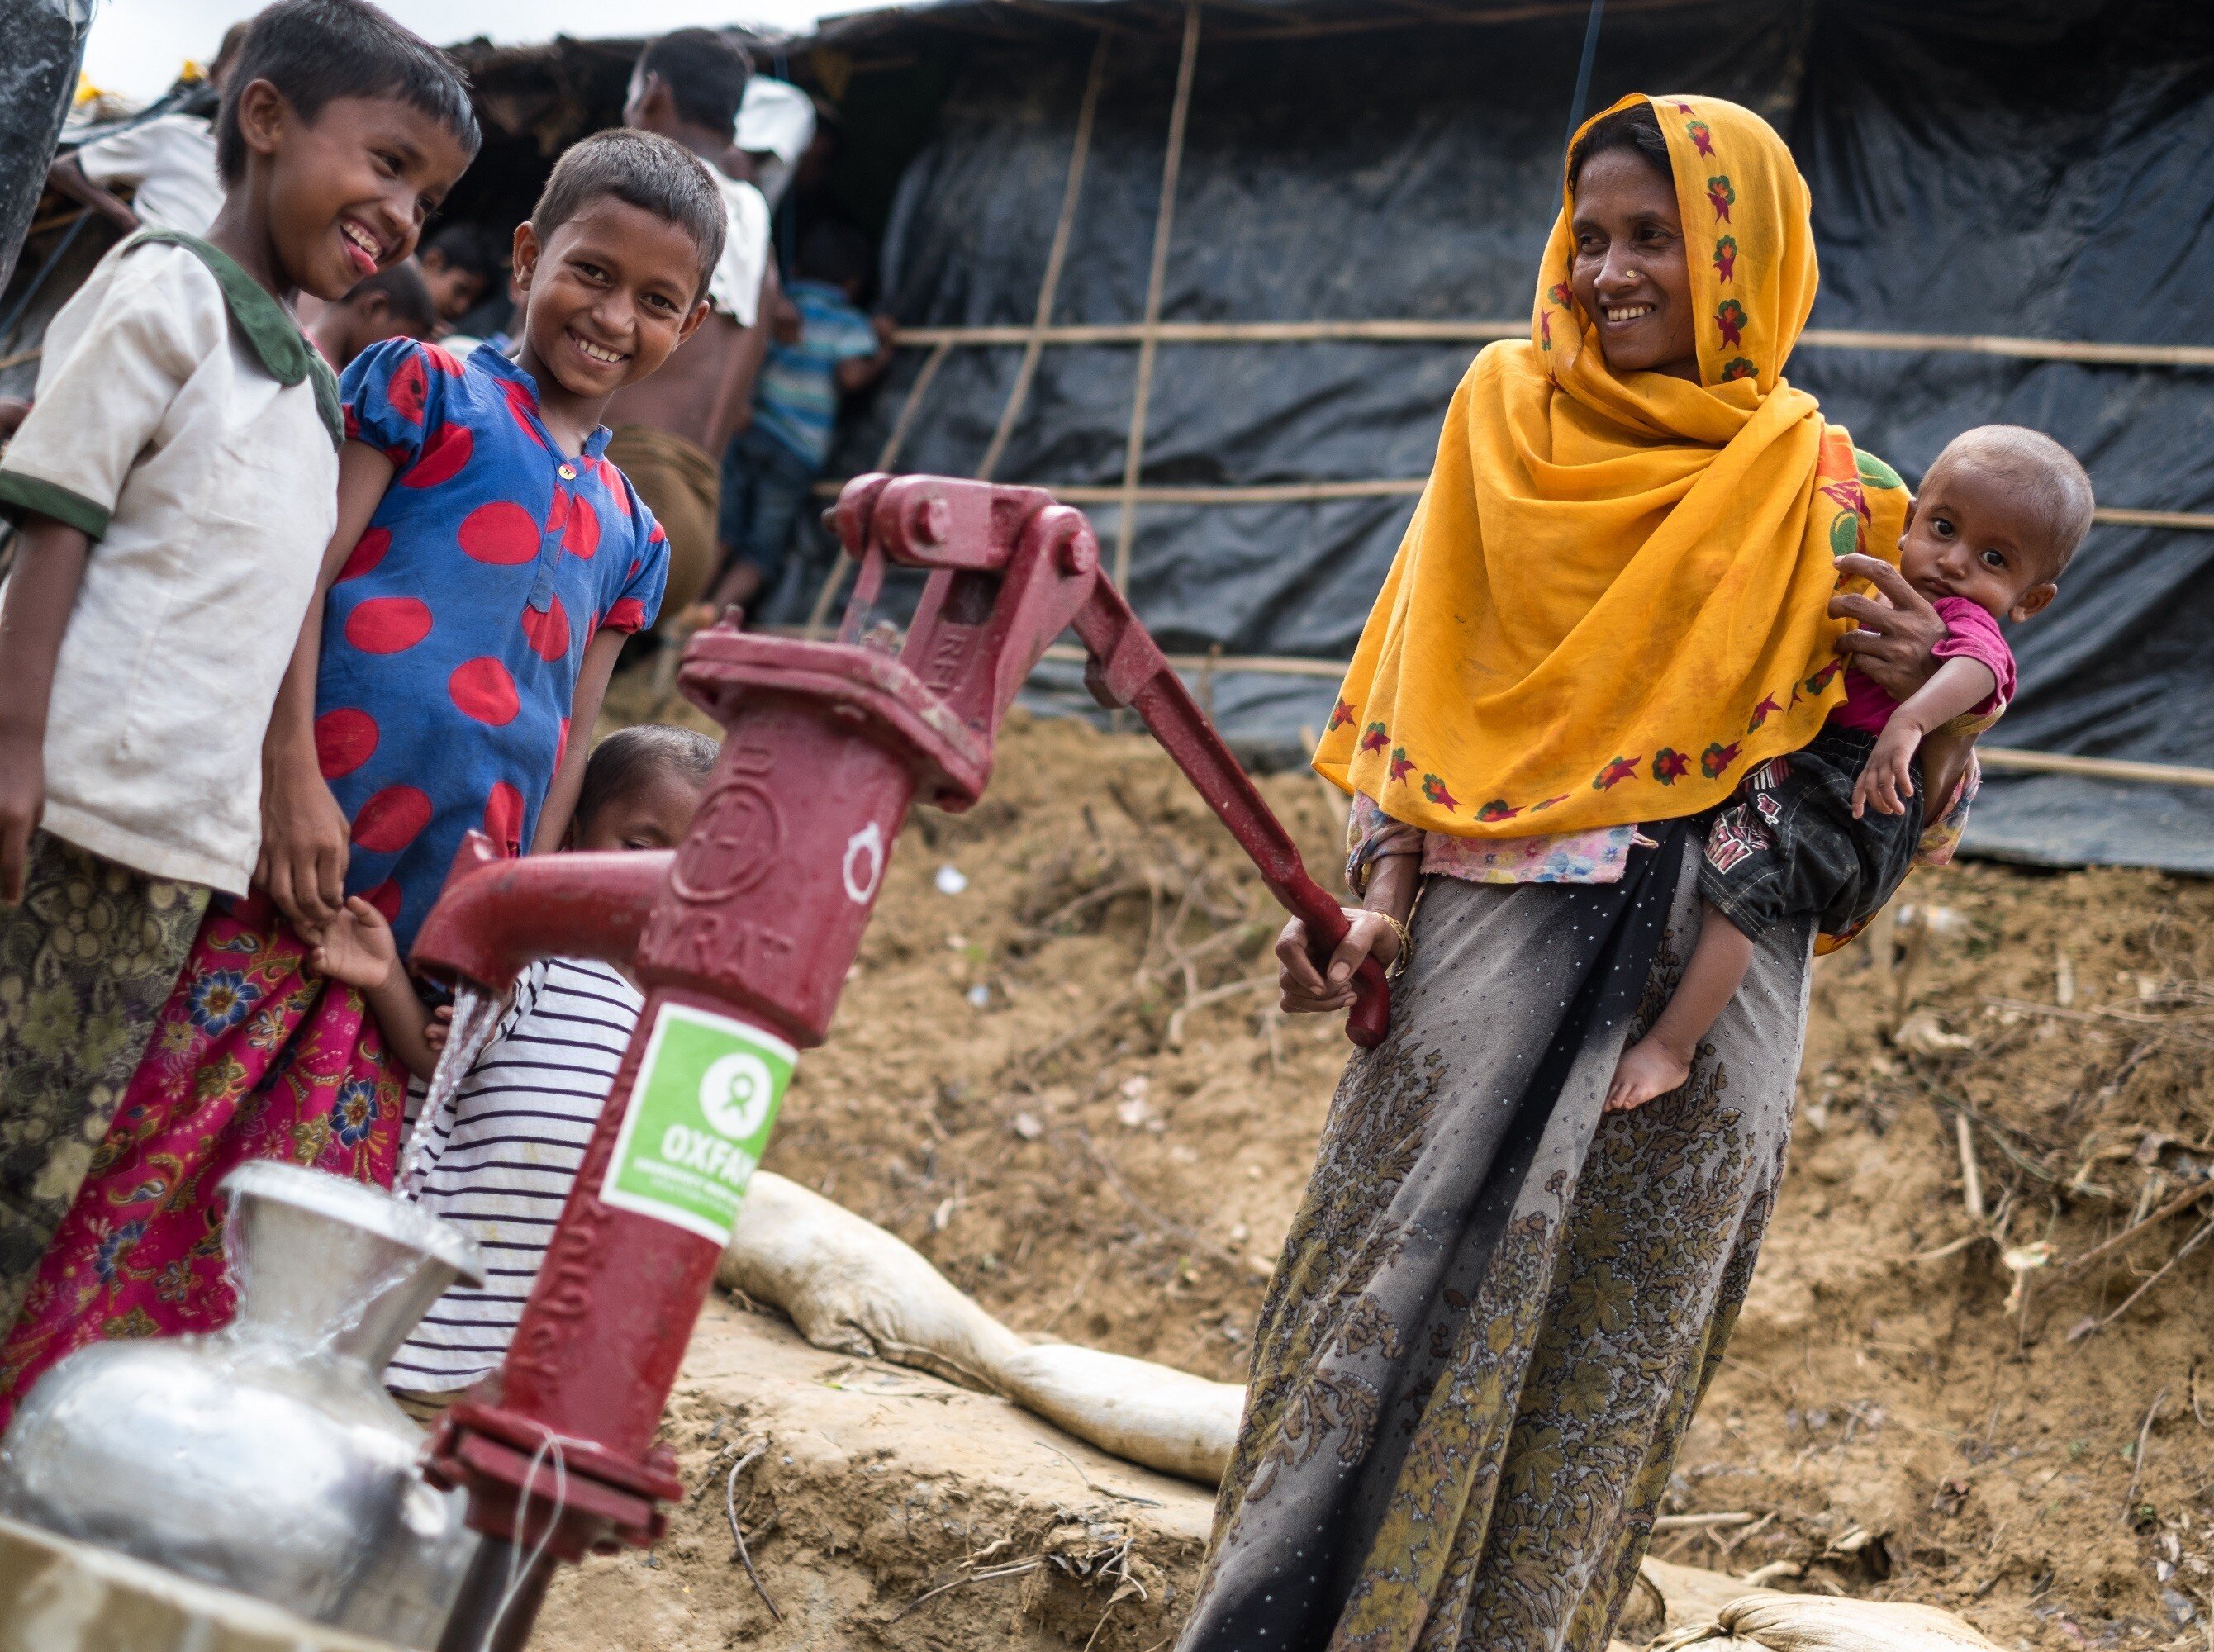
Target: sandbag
{"points": [[1817, 1623], [1152, 1414], [850, 1287]]}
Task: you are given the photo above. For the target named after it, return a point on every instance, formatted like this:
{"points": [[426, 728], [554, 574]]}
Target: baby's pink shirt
{"points": [[1970, 634]]}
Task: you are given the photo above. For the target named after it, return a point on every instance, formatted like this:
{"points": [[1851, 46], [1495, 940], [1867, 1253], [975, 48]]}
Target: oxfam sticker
{"points": [[699, 1116]]}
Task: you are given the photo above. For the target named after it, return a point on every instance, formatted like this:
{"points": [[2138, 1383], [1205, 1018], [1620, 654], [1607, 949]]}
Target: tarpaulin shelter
{"points": [[1213, 271], [1212, 268]]}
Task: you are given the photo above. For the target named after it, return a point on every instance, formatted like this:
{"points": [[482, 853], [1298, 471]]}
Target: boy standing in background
{"points": [[833, 351], [175, 484]]}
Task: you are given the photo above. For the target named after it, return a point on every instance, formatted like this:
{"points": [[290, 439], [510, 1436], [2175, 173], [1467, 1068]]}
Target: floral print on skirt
{"points": [[253, 1057]]}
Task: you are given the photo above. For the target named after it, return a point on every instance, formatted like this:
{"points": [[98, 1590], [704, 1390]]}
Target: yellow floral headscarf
{"points": [[1610, 602]]}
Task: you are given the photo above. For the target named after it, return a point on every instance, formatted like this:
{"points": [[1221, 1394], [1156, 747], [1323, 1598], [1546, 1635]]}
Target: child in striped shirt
{"points": [[499, 1159]]}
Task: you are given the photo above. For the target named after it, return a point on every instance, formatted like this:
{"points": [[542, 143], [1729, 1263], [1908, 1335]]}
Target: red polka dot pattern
{"points": [[482, 688], [628, 614], [445, 360], [580, 533], [611, 479], [387, 625], [500, 531], [549, 632], [391, 820], [368, 551], [385, 897], [345, 740], [503, 818], [523, 407], [405, 389], [441, 461]]}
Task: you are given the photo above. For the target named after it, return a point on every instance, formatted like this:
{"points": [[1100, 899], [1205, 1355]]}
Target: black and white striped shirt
{"points": [[500, 1161]]}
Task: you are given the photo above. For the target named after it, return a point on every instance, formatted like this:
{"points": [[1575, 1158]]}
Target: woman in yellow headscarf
{"points": [[1497, 1307]]}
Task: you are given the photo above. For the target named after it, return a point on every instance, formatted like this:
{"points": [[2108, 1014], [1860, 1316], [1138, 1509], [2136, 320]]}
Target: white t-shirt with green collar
{"points": [[184, 423]]}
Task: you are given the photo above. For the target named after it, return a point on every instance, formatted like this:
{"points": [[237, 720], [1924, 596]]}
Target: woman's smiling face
{"points": [[1630, 274]]}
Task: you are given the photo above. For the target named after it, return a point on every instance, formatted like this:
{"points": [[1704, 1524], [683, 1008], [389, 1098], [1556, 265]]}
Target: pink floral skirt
{"points": [[253, 1057]]}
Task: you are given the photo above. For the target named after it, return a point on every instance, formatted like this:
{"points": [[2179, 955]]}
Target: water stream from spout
{"points": [[476, 1013]]}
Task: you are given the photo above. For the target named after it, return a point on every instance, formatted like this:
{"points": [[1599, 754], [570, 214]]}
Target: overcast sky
{"points": [[136, 46]]}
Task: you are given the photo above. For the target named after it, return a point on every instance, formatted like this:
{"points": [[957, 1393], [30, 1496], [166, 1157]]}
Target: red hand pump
{"points": [[743, 936]]}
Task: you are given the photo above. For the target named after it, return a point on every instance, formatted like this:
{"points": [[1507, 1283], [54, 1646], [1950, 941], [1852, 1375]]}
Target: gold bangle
{"points": [[1400, 959]]}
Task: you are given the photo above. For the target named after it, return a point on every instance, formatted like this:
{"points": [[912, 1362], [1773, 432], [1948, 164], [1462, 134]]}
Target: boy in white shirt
{"points": [[175, 484]]}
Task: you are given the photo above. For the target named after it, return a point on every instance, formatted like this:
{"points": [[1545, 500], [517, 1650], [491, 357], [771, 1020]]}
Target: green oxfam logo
{"points": [[697, 1122], [738, 1092]]}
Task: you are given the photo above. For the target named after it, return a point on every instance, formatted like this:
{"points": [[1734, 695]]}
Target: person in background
{"points": [[500, 341], [394, 303], [169, 163], [462, 264], [776, 124], [175, 486], [499, 1157], [770, 469], [688, 87]]}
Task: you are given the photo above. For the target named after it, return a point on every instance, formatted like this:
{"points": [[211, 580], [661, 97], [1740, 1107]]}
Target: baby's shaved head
{"points": [[2043, 474]]}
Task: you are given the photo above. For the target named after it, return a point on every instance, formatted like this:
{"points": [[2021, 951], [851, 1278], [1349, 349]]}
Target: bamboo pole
{"points": [[2015, 760], [1034, 346], [1408, 486], [1156, 279], [1390, 331], [886, 457], [2012, 759]]}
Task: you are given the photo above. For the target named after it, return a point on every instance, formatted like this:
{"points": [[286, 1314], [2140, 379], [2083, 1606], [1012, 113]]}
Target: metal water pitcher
{"points": [[267, 1457]]}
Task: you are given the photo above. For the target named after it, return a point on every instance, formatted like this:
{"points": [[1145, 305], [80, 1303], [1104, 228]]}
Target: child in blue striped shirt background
{"points": [[823, 349]]}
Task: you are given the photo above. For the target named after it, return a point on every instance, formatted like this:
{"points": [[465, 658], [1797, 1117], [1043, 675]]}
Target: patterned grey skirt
{"points": [[1497, 1308]]}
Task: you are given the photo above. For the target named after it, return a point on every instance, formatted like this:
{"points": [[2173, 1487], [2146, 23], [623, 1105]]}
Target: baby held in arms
{"points": [[1830, 830]]}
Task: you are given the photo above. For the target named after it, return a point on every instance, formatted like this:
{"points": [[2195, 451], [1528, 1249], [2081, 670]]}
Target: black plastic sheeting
{"points": [[41, 43], [2042, 168]]}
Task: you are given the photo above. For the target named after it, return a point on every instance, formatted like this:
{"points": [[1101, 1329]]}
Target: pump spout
{"points": [[496, 914]]}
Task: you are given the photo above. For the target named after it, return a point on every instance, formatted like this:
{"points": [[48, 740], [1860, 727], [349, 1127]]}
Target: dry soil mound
{"points": [[1057, 1073]]}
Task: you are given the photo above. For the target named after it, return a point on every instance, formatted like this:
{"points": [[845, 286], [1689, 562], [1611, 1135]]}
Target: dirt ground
{"points": [[1056, 1071]]}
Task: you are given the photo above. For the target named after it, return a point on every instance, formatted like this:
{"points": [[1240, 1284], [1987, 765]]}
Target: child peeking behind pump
{"points": [[499, 1157]]}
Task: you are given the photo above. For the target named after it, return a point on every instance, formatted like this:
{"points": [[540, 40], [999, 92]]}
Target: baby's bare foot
{"points": [[1647, 1068]]}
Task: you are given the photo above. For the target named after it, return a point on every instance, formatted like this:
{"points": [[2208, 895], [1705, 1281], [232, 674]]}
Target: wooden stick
{"points": [[819, 612], [1108, 333], [2183, 1251], [2182, 1201], [1410, 330], [890, 454], [1972, 1178], [21, 357], [2138, 1457], [1700, 1522], [1049, 284], [2100, 768], [1156, 279], [1409, 486], [1259, 665]]}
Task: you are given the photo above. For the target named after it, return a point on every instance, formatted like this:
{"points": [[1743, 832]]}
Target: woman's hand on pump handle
{"points": [[1308, 989]]}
